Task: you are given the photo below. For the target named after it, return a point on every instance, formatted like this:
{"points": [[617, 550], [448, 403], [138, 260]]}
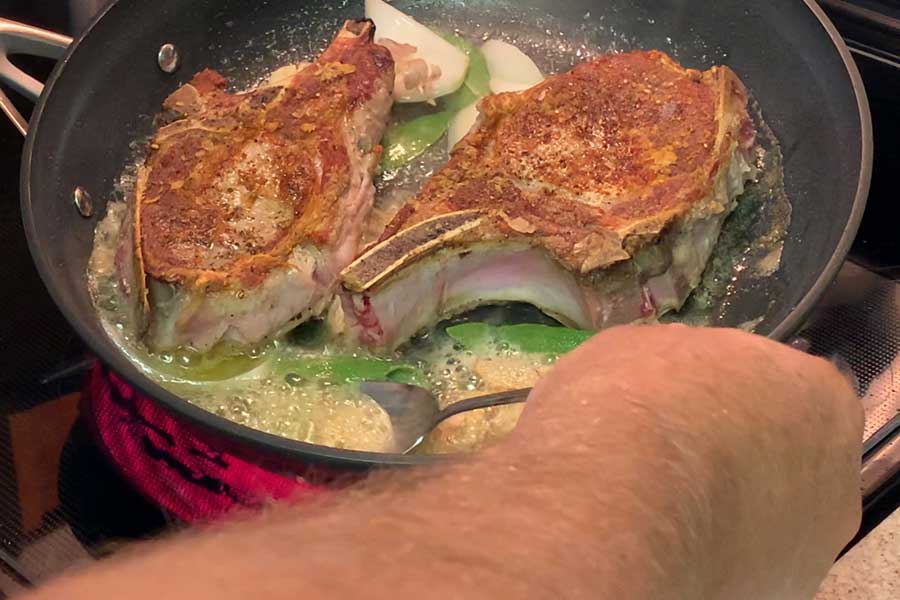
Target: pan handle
{"points": [[18, 38]]}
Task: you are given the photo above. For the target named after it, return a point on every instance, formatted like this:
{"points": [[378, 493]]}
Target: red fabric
{"points": [[172, 467]]}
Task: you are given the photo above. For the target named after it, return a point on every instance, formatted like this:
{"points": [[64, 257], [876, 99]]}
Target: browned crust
{"points": [[186, 232], [592, 164]]}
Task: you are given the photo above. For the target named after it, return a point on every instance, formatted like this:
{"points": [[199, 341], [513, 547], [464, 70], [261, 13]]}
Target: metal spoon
{"points": [[414, 411]]}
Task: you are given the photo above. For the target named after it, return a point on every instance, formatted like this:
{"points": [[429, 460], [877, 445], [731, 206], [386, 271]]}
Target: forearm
{"points": [[752, 452], [505, 524], [640, 478]]}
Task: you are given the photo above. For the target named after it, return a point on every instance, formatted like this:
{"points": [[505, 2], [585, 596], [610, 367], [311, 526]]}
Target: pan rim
{"points": [[797, 317], [294, 450]]}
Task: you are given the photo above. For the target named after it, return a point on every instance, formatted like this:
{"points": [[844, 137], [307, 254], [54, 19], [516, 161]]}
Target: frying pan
{"points": [[109, 83]]}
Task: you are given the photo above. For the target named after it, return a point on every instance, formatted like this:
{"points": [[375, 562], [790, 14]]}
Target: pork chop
{"points": [[597, 196], [250, 204]]}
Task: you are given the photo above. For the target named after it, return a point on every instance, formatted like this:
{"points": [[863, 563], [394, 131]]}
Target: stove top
{"points": [[61, 502]]}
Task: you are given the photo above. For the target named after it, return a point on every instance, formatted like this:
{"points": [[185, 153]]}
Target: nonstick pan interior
{"points": [[100, 101]]}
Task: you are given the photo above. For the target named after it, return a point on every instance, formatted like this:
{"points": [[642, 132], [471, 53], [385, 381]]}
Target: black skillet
{"points": [[109, 83]]}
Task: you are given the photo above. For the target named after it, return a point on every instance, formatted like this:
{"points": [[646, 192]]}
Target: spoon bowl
{"points": [[415, 411]]}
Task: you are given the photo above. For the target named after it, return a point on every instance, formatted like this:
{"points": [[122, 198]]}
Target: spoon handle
{"points": [[499, 399]]}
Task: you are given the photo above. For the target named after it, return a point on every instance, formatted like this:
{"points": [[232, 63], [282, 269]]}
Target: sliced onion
{"points": [[413, 47], [511, 69], [462, 124]]}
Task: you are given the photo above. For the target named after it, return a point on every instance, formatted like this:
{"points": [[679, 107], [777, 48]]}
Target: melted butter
{"points": [[336, 416]]}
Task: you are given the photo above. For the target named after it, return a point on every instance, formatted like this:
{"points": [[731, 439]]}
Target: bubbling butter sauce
{"points": [[317, 411]]}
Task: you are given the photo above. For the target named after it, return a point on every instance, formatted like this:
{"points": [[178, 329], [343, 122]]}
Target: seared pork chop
{"points": [[596, 195], [249, 205]]}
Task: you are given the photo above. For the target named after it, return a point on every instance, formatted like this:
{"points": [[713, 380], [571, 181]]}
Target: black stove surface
{"points": [[92, 506]]}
